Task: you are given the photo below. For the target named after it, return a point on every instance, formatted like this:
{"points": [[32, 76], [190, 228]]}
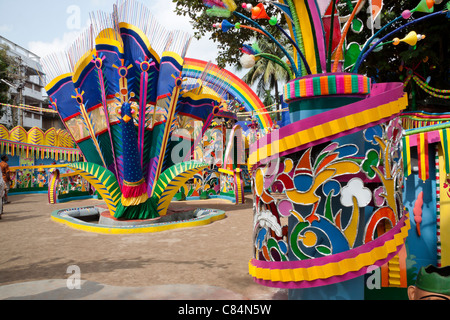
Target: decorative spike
{"points": [[226, 25]]}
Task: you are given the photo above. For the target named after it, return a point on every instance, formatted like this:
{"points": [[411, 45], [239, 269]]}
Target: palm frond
{"points": [[102, 180], [171, 180]]}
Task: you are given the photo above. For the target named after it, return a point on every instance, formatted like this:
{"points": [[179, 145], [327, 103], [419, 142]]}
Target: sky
{"points": [[47, 26]]}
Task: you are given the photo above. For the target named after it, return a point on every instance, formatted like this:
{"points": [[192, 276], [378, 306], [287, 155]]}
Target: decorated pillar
{"points": [[327, 188]]}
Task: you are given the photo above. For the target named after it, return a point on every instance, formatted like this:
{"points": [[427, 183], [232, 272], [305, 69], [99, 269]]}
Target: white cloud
{"points": [[58, 44], [43, 49], [100, 3], [203, 49], [5, 28]]}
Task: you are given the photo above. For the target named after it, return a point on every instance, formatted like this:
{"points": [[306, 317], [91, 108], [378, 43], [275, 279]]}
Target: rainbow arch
{"points": [[238, 89]]}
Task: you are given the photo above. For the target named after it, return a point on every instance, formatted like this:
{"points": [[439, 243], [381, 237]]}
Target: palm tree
{"points": [[266, 74]]}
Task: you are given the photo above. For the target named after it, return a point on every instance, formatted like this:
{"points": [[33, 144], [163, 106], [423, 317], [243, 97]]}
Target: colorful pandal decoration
{"points": [[342, 210], [235, 87], [423, 84], [55, 144], [422, 129], [427, 172], [234, 160], [28, 108], [52, 187], [227, 175], [107, 88], [124, 90], [438, 93], [327, 188]]}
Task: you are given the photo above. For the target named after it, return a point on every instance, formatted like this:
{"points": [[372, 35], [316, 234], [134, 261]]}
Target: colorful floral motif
{"points": [[329, 199]]}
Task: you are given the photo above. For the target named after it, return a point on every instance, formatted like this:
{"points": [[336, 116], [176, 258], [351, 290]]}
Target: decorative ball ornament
{"points": [[256, 11], [247, 61], [247, 6], [406, 14], [273, 21]]}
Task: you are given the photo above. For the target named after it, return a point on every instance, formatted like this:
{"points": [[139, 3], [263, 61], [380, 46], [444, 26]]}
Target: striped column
{"points": [[325, 85], [438, 207]]}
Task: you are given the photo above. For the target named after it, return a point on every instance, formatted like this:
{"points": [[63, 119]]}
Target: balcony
{"points": [[33, 94], [31, 119]]}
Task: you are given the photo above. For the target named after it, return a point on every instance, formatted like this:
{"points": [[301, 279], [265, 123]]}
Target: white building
{"points": [[29, 91]]}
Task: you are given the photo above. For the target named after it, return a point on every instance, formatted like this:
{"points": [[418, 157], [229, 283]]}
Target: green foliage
{"points": [[5, 74], [266, 74], [429, 58], [229, 43]]}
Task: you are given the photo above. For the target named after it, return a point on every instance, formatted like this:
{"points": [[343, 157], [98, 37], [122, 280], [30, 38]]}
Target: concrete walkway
{"points": [[59, 290], [203, 263]]}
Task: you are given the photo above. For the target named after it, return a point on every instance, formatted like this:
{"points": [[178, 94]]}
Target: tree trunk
{"points": [[277, 100]]}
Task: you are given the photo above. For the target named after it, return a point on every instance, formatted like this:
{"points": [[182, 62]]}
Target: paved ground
{"points": [[202, 263]]}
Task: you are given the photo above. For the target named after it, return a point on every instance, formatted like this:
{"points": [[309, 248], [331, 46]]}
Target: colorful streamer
{"points": [[406, 156], [444, 134], [437, 93], [422, 155]]}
